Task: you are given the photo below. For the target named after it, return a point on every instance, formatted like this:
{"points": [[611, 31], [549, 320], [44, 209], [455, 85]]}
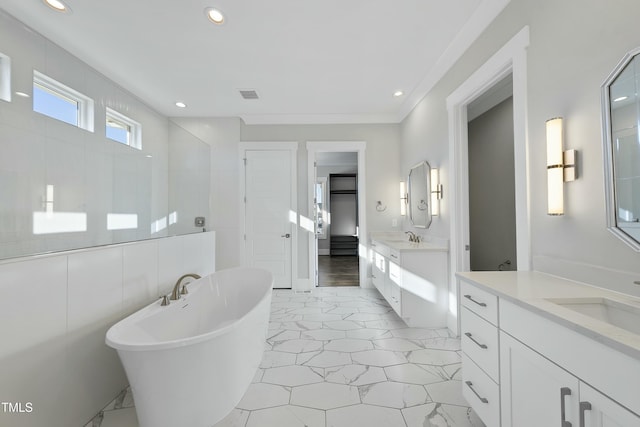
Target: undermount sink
{"points": [[622, 315]]}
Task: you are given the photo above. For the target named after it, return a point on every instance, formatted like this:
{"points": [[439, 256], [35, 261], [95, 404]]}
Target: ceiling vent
{"points": [[248, 93]]}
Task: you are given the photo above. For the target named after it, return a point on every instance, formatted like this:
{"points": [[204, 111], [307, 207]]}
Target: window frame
{"points": [[134, 132], [5, 77], [84, 103]]}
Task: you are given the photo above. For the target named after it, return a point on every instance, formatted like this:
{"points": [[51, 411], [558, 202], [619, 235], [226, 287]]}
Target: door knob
{"points": [[286, 235]]}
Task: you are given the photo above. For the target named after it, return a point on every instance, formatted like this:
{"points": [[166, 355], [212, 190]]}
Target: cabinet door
{"points": [[597, 410], [534, 391], [378, 271], [393, 287]]}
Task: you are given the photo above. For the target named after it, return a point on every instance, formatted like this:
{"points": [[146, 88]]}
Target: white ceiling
{"points": [[333, 61]]}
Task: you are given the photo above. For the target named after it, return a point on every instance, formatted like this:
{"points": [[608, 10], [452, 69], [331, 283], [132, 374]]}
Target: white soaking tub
{"points": [[189, 363]]}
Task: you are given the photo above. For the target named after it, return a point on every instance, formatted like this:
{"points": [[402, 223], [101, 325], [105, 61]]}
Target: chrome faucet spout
{"points": [[177, 291], [412, 236]]}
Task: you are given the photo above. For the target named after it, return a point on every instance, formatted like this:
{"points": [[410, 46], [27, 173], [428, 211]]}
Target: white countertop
{"points": [[532, 289], [401, 243]]}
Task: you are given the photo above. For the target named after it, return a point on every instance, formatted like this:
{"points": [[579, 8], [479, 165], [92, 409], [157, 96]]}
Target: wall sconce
{"points": [[436, 192], [403, 198], [561, 166]]}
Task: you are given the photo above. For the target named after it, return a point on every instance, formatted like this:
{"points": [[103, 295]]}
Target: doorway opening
{"points": [[510, 60], [492, 209], [337, 253], [337, 218]]}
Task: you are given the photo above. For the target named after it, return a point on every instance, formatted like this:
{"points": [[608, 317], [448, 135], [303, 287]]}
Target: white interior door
{"points": [[268, 213]]}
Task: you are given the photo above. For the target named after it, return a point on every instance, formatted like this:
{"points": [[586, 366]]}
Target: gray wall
{"points": [[492, 225], [573, 48]]}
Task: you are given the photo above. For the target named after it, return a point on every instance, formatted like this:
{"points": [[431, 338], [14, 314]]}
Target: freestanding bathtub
{"points": [[189, 363]]}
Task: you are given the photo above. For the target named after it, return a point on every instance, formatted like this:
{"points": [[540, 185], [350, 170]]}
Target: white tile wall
{"points": [[169, 263], [94, 286], [140, 275], [56, 309], [41, 151], [33, 303]]}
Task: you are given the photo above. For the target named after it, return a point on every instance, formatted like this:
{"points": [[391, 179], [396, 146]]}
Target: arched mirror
{"points": [[419, 195], [621, 115]]}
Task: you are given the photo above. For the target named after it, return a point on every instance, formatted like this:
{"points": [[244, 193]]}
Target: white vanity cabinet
{"points": [[535, 391], [413, 280], [548, 374], [480, 352]]}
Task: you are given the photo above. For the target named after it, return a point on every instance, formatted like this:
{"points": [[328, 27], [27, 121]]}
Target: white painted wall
{"points": [[573, 47], [224, 135], [381, 168]]}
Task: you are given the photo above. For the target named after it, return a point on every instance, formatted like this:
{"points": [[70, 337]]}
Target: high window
{"points": [[61, 102], [5, 77], [123, 129]]}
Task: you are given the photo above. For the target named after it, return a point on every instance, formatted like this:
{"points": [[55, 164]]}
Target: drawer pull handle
{"points": [[394, 256], [584, 406], [470, 385], [564, 391], [470, 298], [483, 346]]}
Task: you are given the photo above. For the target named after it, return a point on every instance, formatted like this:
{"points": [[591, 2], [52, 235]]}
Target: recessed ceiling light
{"points": [[22, 94], [57, 5], [181, 104], [622, 98], [214, 15], [398, 93]]}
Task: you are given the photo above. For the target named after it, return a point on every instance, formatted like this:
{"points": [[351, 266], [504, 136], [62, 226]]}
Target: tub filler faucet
{"points": [[177, 290]]}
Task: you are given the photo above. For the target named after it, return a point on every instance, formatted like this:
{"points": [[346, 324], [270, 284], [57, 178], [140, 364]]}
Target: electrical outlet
{"points": [[394, 222]]}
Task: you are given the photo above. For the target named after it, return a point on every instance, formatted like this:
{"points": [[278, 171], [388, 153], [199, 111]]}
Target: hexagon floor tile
{"points": [[365, 415], [340, 357], [355, 375], [394, 395], [292, 375], [378, 358], [325, 396], [287, 416]]}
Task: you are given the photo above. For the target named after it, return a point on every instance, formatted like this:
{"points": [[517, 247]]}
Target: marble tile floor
{"points": [[340, 357]]}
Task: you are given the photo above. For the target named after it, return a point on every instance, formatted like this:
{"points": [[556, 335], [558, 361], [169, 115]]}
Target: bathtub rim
{"points": [[155, 307]]}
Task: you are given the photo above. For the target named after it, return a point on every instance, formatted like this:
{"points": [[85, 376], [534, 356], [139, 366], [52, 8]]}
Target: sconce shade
{"points": [[403, 198], [555, 167]]}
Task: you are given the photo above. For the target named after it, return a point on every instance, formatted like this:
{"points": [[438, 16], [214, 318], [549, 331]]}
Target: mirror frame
{"points": [[609, 166], [427, 182]]}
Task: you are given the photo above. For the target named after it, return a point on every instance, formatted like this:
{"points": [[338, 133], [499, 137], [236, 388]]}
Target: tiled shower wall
{"points": [[91, 174], [56, 310]]}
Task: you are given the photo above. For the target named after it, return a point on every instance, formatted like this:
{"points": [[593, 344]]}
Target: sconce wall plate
{"points": [[403, 198]]}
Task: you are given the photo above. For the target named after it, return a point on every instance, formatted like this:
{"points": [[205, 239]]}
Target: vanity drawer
{"points": [[380, 248], [394, 255], [482, 303], [482, 394], [480, 342]]}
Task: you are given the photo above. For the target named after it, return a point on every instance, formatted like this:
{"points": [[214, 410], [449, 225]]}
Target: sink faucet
{"points": [[177, 291], [412, 236]]}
